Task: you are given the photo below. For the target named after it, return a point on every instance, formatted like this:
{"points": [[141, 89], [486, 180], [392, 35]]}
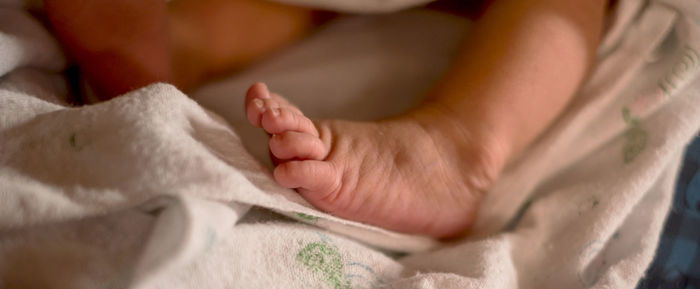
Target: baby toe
{"points": [[257, 90], [285, 103], [296, 145], [277, 120], [254, 111], [255, 103], [315, 180]]}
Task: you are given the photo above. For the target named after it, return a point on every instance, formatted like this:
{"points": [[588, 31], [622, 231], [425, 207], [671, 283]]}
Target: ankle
{"points": [[481, 155]]}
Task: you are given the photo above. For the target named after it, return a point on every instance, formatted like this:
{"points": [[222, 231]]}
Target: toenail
{"points": [[276, 111], [259, 104]]}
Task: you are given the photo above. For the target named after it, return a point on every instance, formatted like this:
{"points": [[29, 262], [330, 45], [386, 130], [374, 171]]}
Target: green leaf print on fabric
{"points": [[309, 218], [635, 137], [325, 260]]}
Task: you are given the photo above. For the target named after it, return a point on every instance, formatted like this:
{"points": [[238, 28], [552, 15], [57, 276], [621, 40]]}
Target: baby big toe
{"points": [[297, 145]]}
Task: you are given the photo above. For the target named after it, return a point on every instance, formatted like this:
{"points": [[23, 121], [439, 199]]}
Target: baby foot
{"points": [[401, 174]]}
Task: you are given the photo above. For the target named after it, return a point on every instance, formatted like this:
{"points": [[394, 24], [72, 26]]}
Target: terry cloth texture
{"points": [[151, 190]]}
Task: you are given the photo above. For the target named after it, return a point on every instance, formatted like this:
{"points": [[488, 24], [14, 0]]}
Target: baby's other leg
{"points": [[119, 45], [126, 44]]}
